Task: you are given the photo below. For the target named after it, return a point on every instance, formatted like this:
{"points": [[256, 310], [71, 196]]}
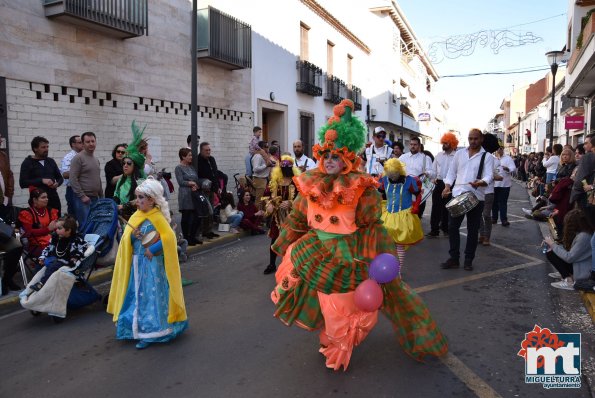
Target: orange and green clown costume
{"points": [[327, 242]]}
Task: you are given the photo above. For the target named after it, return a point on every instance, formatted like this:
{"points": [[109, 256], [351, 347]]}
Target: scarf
{"points": [[121, 276]]}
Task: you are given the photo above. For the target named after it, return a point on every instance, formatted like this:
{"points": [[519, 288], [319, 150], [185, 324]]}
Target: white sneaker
{"points": [[564, 284], [555, 275], [233, 231], [527, 211]]}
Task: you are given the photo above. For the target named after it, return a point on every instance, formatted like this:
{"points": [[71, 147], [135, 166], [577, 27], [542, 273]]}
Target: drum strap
{"points": [[480, 171]]}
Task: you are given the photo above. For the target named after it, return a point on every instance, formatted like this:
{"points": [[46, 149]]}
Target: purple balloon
{"points": [[384, 268]]}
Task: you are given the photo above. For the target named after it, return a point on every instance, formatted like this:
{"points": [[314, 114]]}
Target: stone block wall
{"points": [[57, 112]]}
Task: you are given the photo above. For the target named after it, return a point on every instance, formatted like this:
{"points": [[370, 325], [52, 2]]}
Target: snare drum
{"points": [[462, 204]]}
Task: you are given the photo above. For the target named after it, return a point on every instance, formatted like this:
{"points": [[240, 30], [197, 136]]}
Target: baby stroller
{"points": [[69, 287]]}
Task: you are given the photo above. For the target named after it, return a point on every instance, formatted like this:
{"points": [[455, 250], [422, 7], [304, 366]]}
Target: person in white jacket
{"points": [[230, 215]]}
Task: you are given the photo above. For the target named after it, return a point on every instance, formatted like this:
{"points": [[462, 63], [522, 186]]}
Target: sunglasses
{"points": [[121, 152], [128, 162], [381, 136], [333, 157]]}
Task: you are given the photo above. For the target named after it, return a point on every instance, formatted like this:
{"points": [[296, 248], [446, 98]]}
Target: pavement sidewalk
{"points": [[10, 302], [588, 298]]}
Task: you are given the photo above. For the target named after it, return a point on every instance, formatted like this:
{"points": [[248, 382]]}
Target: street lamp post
{"points": [[402, 103], [553, 58], [518, 129], [193, 89]]}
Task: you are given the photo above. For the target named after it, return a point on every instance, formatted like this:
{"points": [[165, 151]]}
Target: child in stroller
{"points": [[66, 248]]}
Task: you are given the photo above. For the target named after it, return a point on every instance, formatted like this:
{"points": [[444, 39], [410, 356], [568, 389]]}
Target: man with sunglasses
{"points": [[377, 153], [76, 145]]}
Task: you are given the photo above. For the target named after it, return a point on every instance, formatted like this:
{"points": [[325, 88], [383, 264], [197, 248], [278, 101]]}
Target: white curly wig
{"points": [[153, 189]]}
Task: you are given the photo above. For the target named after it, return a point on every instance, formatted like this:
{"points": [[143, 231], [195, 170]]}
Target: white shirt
{"points": [[418, 164], [373, 153], [259, 166], [442, 163], [5, 203], [490, 187], [65, 164], [464, 169], [305, 161], [506, 161], [551, 164]]}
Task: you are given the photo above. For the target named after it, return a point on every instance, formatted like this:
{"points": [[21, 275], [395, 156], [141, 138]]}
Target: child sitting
{"points": [[230, 215], [66, 248]]}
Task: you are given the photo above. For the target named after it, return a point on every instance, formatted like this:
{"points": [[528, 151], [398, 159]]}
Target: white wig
{"points": [[153, 189]]}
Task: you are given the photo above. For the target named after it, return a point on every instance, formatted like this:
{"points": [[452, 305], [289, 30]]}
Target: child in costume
{"points": [[328, 241], [66, 248], [399, 215]]}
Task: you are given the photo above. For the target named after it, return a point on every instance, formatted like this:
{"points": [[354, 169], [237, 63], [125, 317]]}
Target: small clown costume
{"points": [[399, 213], [328, 241]]}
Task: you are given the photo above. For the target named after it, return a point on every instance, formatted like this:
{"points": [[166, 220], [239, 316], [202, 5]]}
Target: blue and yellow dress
{"points": [[146, 295], [399, 221]]}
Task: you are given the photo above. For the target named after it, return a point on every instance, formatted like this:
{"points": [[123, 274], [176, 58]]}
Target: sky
{"points": [[475, 100]]}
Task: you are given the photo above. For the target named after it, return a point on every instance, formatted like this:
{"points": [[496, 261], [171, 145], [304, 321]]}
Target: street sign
{"points": [[574, 122], [424, 117]]}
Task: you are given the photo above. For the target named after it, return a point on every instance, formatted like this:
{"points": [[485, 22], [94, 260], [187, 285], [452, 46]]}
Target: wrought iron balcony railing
{"points": [[355, 94], [223, 39], [336, 90], [309, 79], [120, 18], [569, 103]]}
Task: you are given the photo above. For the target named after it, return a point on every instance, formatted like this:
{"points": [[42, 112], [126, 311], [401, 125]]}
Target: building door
{"points": [[307, 132]]}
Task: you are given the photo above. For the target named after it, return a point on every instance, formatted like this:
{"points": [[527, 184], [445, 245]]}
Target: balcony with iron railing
{"points": [[336, 90], [223, 39], [309, 79], [571, 106], [120, 18], [355, 94]]}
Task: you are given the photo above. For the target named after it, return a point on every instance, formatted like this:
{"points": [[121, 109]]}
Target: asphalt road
{"points": [[235, 348]]}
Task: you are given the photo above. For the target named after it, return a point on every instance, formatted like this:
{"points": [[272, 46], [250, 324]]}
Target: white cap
{"points": [[379, 129]]}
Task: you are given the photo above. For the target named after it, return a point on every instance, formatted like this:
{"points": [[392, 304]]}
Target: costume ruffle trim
{"points": [[329, 191]]}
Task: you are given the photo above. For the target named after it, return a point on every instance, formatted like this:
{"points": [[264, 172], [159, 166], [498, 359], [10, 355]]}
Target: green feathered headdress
{"points": [[132, 149], [344, 134]]}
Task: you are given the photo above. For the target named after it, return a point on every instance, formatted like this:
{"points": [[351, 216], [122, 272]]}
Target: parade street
{"points": [[236, 348]]}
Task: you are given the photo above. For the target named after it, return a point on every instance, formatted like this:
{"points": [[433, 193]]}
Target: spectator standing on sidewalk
{"points": [[114, 169], [443, 161], [253, 148], [567, 164], [302, 162], [85, 178], [502, 188], [584, 174], [76, 145], [261, 169], [473, 171], [551, 161], [41, 171]]}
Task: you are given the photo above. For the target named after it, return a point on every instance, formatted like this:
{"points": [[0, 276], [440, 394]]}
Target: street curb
{"points": [[588, 298], [105, 273]]}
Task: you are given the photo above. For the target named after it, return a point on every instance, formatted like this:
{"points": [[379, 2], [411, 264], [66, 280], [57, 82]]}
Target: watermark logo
{"points": [[552, 359]]}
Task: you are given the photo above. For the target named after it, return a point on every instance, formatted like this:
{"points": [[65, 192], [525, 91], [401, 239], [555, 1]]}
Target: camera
{"points": [[544, 247]]}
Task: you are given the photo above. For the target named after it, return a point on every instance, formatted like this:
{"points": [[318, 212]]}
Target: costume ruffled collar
{"points": [[330, 190]]}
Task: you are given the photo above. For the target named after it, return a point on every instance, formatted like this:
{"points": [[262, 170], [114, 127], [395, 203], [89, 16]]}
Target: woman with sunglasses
{"points": [[124, 193], [113, 169], [329, 239], [146, 297]]}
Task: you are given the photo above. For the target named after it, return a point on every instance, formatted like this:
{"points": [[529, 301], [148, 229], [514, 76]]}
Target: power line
{"points": [[509, 72], [536, 21]]}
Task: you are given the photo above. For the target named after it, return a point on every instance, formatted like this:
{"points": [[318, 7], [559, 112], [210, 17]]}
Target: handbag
{"points": [[201, 203], [6, 232]]}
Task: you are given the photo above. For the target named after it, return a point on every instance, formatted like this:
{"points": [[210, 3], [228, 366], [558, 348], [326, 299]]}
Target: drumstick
{"points": [[122, 219]]}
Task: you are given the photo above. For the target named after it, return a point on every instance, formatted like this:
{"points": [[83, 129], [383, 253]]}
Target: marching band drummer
{"points": [[473, 171]]}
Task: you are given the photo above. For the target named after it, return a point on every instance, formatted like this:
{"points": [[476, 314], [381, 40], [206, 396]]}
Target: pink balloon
{"points": [[368, 296]]}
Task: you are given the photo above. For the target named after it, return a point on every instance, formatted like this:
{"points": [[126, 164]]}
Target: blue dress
{"points": [[144, 313]]}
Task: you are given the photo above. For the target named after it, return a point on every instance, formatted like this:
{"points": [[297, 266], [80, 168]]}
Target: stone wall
{"points": [[58, 112]]}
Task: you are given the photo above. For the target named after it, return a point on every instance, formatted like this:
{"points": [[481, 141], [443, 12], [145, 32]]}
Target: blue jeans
{"points": [[81, 210], [70, 200], [248, 162], [500, 203], [235, 219], [549, 177]]}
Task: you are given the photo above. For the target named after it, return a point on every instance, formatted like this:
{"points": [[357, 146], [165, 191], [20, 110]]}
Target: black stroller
{"points": [[69, 287]]}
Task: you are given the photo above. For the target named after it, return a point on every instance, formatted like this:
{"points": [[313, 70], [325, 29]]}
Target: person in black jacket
{"points": [[114, 170], [41, 171]]}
